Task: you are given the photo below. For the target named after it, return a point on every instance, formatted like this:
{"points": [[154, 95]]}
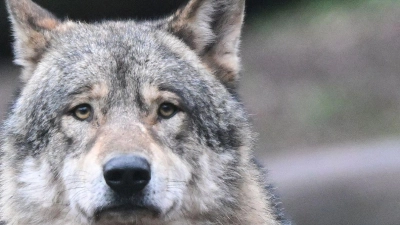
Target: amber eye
{"points": [[167, 110], [82, 112]]}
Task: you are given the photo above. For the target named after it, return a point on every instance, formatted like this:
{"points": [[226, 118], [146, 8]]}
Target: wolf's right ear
{"points": [[32, 26]]}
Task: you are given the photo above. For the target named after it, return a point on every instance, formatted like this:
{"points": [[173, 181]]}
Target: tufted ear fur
{"points": [[32, 26], [212, 28]]}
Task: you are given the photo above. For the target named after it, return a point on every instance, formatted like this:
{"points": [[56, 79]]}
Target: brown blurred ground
{"points": [[322, 86]]}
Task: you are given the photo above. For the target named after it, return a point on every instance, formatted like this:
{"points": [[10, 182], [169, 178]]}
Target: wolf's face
{"points": [[125, 122], [131, 121]]}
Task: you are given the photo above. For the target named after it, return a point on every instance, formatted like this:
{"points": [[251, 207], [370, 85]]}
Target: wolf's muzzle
{"points": [[127, 174]]}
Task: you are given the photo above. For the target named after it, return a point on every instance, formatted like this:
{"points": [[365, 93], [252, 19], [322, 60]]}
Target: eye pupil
{"points": [[167, 110], [83, 110]]}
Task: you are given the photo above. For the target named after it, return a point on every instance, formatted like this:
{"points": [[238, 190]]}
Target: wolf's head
{"points": [[125, 121]]}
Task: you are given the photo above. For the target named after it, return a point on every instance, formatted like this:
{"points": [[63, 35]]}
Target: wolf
{"points": [[131, 122]]}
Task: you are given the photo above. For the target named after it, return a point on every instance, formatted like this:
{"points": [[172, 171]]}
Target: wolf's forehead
{"points": [[117, 47], [108, 41]]}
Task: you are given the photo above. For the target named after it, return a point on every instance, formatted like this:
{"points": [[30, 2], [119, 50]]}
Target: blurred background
{"points": [[321, 82]]}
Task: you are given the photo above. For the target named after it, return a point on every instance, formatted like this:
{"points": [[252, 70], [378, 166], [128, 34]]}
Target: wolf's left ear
{"points": [[212, 28], [32, 26]]}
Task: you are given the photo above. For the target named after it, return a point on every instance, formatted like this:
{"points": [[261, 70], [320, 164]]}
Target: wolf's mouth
{"points": [[127, 210]]}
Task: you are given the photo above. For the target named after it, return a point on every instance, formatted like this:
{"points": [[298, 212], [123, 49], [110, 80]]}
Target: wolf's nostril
{"points": [[127, 175], [141, 175], [114, 175]]}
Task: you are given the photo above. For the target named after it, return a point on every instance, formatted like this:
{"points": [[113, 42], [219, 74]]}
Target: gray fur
{"points": [[202, 172]]}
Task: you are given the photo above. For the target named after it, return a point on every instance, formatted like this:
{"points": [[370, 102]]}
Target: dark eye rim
{"points": [[73, 112], [175, 108]]}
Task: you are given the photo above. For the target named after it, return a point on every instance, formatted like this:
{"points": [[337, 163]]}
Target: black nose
{"points": [[127, 175]]}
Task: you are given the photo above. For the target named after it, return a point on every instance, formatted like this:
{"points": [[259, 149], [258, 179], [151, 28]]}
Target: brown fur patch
{"points": [[116, 141], [96, 92], [47, 23], [154, 97], [99, 91]]}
